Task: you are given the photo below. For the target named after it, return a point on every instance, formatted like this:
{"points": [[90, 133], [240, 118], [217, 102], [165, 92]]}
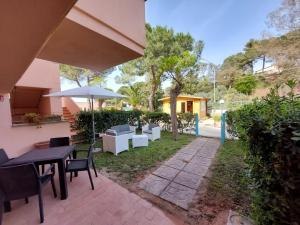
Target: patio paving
{"points": [[178, 179], [108, 204]]}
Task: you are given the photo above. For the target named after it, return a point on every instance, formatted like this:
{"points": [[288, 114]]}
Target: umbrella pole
{"points": [[93, 119]]}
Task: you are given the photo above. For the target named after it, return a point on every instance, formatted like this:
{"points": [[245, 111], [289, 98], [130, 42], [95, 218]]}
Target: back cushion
{"points": [[152, 125], [125, 127]]}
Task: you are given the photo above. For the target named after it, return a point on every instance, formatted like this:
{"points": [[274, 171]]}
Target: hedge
{"points": [[271, 130], [105, 119]]}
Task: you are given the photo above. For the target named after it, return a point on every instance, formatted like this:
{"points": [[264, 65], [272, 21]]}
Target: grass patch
{"points": [[229, 176], [129, 164]]}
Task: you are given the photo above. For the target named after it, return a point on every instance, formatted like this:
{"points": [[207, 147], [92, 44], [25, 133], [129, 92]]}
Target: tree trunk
{"points": [[173, 104], [173, 114], [154, 86], [152, 97]]}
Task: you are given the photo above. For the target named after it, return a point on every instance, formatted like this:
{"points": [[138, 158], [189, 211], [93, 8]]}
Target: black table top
{"points": [[42, 155]]}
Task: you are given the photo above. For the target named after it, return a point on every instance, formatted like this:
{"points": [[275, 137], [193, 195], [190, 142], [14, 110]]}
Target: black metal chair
{"points": [[76, 165], [59, 141], [3, 156], [23, 181]]}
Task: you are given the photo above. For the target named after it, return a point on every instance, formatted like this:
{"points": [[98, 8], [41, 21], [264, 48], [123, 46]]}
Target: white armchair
{"points": [[115, 144], [152, 131]]}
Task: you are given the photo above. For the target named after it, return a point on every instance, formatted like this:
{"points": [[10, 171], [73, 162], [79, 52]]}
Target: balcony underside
{"points": [[25, 26], [77, 45]]}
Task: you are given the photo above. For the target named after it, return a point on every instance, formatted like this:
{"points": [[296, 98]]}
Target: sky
{"points": [[225, 26]]}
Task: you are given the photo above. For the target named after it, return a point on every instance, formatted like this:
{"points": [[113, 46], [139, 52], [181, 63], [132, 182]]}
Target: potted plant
{"points": [[33, 118]]}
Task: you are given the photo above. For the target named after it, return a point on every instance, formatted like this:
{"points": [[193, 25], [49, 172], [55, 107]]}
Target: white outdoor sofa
{"points": [[116, 138], [152, 131]]}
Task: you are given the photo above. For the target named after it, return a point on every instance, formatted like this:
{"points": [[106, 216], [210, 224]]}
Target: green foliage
{"points": [[217, 118], [83, 76], [229, 178], [129, 165], [271, 130], [158, 118], [185, 120], [104, 120], [161, 43], [245, 84], [136, 94]]}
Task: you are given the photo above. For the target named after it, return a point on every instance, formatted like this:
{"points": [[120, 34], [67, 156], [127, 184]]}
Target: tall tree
{"points": [[177, 68], [287, 17], [160, 42], [83, 77], [136, 94]]}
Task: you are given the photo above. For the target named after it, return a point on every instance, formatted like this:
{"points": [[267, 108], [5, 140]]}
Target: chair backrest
{"points": [[90, 153], [152, 125], [59, 141], [3, 156], [19, 181]]}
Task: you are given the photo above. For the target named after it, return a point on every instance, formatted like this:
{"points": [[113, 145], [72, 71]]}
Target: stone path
{"points": [[178, 178]]}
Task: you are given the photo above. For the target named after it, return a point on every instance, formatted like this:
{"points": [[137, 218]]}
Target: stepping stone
{"points": [[201, 161], [189, 150], [166, 172], [196, 169], [175, 163], [184, 157], [188, 179], [178, 194], [210, 154], [154, 184]]}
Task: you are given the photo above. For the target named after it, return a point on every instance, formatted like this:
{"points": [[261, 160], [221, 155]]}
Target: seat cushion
{"points": [[111, 132], [77, 165], [120, 128], [152, 125], [125, 132], [147, 131]]}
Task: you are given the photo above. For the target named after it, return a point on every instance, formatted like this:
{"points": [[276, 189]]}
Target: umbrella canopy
{"points": [[87, 92]]}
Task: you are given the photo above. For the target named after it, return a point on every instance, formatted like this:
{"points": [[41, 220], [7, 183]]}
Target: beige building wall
{"points": [[17, 139], [199, 105]]}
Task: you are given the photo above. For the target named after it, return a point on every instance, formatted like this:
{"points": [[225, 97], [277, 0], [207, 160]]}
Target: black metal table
{"points": [[48, 156]]}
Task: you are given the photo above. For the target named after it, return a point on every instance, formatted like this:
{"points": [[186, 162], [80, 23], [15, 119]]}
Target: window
{"points": [[183, 107]]}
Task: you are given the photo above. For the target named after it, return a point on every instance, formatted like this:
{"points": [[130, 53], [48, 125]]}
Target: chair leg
{"points": [[41, 207], [94, 167], [53, 187], [89, 172], [43, 169], [71, 176], [26, 200]]}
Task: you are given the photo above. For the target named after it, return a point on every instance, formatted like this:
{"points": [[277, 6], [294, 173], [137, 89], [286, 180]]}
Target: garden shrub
{"points": [[185, 120], [104, 119], [271, 130], [161, 118]]}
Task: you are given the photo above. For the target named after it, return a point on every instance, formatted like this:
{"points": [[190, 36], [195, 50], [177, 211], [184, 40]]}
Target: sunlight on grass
{"points": [[130, 163]]}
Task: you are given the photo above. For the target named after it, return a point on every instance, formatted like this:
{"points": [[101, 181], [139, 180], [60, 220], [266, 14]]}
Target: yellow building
{"points": [[187, 103]]}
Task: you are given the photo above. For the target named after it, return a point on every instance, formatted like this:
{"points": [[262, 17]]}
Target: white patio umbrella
{"points": [[87, 92]]}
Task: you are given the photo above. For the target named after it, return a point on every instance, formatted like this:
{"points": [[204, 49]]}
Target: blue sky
{"points": [[224, 25]]}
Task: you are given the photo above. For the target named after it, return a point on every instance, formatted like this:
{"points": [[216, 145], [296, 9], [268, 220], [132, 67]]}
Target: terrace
{"points": [[109, 203]]}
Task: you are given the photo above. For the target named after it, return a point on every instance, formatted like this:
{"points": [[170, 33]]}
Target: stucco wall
{"points": [[17, 140], [44, 74], [196, 106]]}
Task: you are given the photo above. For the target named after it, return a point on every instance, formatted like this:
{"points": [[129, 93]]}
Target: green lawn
{"points": [[129, 164], [229, 176]]}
